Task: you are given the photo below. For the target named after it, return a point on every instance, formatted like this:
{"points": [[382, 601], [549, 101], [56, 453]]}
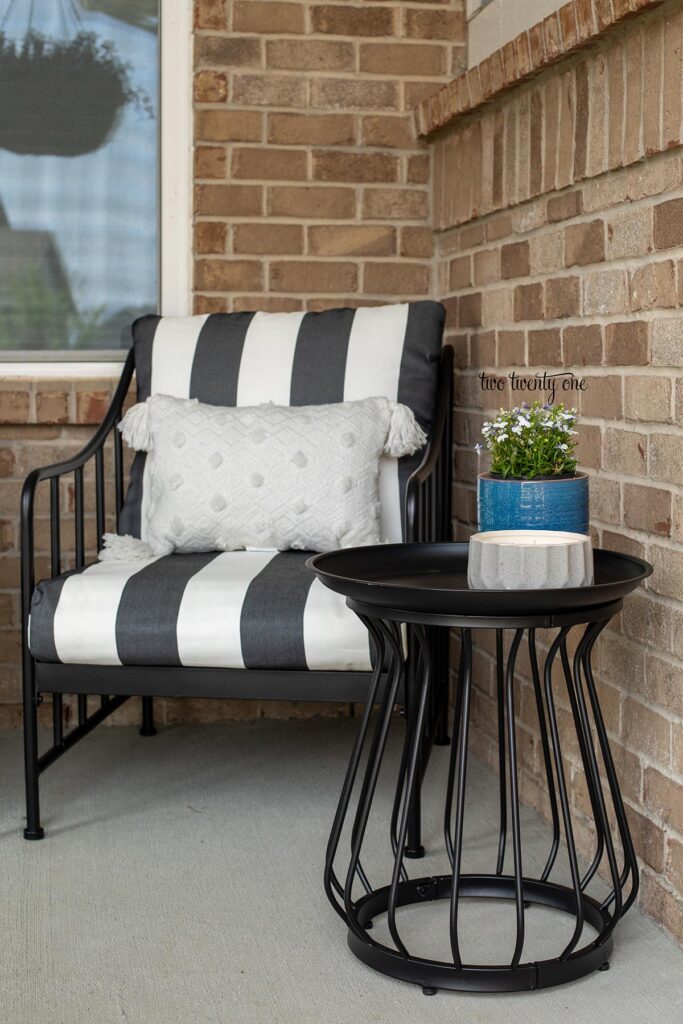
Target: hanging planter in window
{"points": [[61, 97]]}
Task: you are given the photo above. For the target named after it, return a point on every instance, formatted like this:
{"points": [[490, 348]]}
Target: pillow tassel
{"points": [[123, 549], [406, 436], [134, 428]]}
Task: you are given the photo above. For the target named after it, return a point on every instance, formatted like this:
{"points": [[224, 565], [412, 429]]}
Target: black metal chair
{"points": [[426, 517]]}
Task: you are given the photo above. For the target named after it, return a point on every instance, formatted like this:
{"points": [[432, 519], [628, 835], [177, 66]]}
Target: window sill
{"points": [[61, 370]]}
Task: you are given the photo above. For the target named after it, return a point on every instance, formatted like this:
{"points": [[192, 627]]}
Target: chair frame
{"points": [[427, 512]]}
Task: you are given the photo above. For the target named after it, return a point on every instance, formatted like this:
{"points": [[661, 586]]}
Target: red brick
{"points": [[332, 165], [226, 51], [570, 35], [394, 58], [417, 242], [584, 19], [14, 404], [268, 239], [389, 131], [352, 240], [338, 20], [210, 237], [228, 275], [668, 224], [536, 46], [269, 164], [209, 162], [514, 260], [528, 301], [552, 36], [311, 129], [654, 286], [311, 201], [584, 243], [522, 54], [601, 399], [564, 206], [350, 94], [228, 200], [469, 310], [396, 279], [647, 508], [545, 348], [266, 18], [395, 204], [210, 14], [460, 273], [269, 90], [52, 402], [228, 125], [603, 11], [562, 297], [511, 346], [91, 404], [671, 92], [486, 265], [418, 169], [310, 55], [627, 343], [663, 797], [582, 345], [647, 399], [421, 23], [303, 277], [210, 86]]}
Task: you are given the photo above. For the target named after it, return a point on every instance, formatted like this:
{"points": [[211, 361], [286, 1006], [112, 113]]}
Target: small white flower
{"points": [[502, 437], [563, 447], [516, 429]]}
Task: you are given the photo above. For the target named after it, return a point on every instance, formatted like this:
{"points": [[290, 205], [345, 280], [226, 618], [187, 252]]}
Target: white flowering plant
{"points": [[531, 441]]}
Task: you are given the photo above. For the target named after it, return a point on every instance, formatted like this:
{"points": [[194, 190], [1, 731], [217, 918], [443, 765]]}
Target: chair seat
{"points": [[237, 609]]}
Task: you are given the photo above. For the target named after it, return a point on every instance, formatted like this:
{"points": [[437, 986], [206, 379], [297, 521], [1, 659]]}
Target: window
{"points": [[79, 174]]}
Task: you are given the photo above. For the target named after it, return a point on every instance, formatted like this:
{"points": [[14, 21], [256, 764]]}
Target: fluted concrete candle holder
{"points": [[529, 560]]}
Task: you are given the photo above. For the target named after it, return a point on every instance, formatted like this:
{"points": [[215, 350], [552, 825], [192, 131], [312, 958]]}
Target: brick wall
{"points": [[311, 189], [564, 249]]}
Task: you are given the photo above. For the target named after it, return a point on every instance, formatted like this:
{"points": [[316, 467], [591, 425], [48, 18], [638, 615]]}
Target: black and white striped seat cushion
{"points": [[294, 359], [237, 609]]}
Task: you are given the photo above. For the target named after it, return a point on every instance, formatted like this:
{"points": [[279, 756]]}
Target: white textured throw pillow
{"points": [[274, 477]]}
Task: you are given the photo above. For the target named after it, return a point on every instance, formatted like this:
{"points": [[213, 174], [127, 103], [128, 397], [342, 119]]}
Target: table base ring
{"points": [[431, 974]]}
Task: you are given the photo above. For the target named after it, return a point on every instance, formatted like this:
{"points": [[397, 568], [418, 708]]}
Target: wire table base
{"points": [[360, 904]]}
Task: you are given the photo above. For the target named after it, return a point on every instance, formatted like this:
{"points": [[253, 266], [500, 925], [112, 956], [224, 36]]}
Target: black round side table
{"points": [[425, 586]]}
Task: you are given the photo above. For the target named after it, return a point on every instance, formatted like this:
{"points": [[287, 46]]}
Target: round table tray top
{"points": [[433, 578]]}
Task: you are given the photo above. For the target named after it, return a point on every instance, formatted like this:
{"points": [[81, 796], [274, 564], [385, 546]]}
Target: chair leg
{"points": [[147, 728], [33, 828]]}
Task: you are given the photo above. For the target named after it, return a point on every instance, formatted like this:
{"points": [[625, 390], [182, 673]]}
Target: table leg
{"points": [[395, 955]]}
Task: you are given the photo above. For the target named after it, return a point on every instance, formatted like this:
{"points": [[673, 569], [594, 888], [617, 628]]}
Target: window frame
{"points": [[174, 217]]}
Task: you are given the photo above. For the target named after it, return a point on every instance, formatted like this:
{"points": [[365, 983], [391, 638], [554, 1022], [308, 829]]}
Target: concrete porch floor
{"points": [[180, 882]]}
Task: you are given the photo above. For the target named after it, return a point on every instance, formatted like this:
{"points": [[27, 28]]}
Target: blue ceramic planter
{"points": [[543, 504]]}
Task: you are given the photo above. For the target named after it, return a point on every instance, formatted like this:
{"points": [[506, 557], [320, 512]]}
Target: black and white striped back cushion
{"points": [[294, 359]]}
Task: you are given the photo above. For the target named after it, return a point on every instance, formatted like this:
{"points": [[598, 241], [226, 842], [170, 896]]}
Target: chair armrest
{"points": [[94, 447], [434, 469], [96, 441]]}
